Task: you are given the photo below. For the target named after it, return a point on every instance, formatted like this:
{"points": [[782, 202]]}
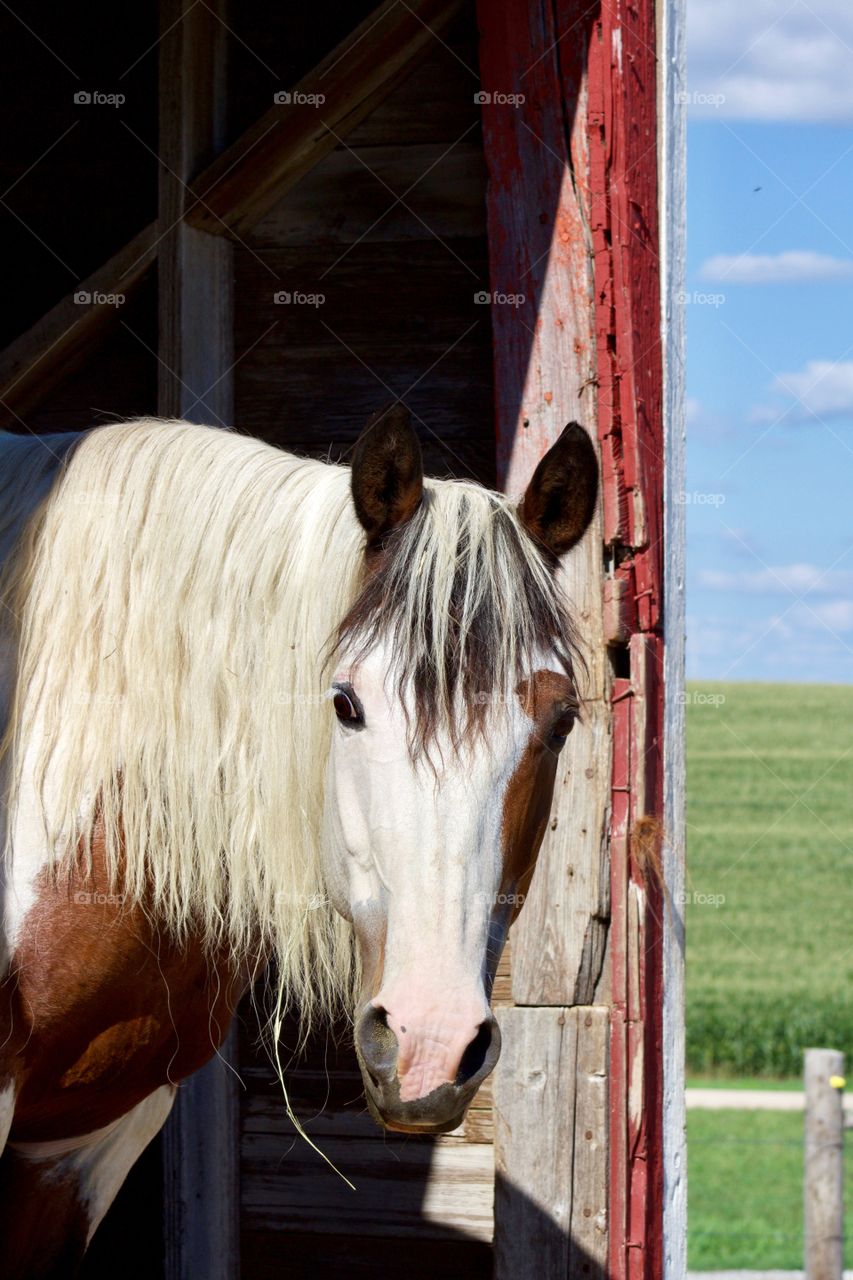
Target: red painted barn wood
{"points": [[623, 80], [570, 139], [570, 147]]}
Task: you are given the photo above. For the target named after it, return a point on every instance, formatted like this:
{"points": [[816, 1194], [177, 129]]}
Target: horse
{"points": [[259, 710]]}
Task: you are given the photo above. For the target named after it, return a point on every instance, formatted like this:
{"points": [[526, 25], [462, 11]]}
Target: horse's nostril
{"points": [[481, 1054], [378, 1044]]}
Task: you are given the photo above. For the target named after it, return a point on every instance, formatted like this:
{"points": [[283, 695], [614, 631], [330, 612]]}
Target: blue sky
{"points": [[769, 295]]}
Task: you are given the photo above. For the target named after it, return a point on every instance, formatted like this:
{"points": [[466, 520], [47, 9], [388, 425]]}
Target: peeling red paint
{"points": [[600, 69], [624, 221]]}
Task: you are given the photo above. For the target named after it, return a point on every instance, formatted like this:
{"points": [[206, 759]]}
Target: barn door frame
{"points": [[583, 122]]}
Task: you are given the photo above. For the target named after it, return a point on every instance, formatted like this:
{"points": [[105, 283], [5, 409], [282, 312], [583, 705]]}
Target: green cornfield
{"points": [[769, 876]]}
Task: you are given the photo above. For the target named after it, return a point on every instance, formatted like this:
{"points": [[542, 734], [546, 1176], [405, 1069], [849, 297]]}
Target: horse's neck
{"points": [[29, 466]]}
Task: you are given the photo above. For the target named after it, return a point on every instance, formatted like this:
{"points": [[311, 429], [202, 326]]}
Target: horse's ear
{"points": [[387, 473], [560, 499]]}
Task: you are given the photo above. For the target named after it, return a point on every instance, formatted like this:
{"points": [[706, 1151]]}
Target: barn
{"points": [[280, 218]]}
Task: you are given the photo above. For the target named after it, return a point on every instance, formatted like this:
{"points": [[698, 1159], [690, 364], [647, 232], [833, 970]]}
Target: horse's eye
{"points": [[348, 709], [563, 725]]}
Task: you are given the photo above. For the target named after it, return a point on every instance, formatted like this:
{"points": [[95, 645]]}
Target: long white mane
{"points": [[176, 592]]}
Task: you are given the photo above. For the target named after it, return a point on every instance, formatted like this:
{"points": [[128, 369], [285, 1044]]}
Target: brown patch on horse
{"points": [[112, 1052], [104, 1006], [527, 802]]}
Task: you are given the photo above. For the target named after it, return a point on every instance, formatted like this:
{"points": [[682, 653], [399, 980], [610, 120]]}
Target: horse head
{"points": [[454, 692]]}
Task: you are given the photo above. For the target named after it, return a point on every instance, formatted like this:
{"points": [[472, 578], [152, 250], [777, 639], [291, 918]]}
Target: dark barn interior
{"points": [[389, 230], [279, 219]]}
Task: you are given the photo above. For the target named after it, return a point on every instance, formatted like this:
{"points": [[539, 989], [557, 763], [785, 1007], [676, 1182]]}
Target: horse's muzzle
{"points": [[438, 1111]]}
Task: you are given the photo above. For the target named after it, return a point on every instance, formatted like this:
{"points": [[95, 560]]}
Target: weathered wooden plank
{"points": [[196, 326], [672, 130], [428, 1188], [435, 102], [309, 376], [619, 964], [246, 180], [550, 1178], [588, 1246], [56, 346], [544, 367], [441, 192], [823, 1173]]}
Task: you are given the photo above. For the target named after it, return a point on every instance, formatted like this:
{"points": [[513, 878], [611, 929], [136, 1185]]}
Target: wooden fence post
{"points": [[824, 1164]]}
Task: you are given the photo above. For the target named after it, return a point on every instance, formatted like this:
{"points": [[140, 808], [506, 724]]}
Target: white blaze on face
{"points": [[415, 858]]}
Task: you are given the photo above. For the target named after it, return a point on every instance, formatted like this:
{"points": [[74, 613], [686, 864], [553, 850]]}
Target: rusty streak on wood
{"points": [[59, 343], [246, 180]]}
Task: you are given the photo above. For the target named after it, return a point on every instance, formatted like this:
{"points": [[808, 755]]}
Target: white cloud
{"points": [[768, 60], [794, 266], [822, 387], [800, 579], [828, 615], [799, 645]]}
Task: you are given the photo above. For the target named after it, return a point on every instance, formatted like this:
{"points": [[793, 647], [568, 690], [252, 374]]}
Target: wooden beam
{"points": [[243, 183], [196, 335], [539, 237], [672, 159], [59, 343], [823, 1172], [551, 1167], [201, 1184], [195, 269]]}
